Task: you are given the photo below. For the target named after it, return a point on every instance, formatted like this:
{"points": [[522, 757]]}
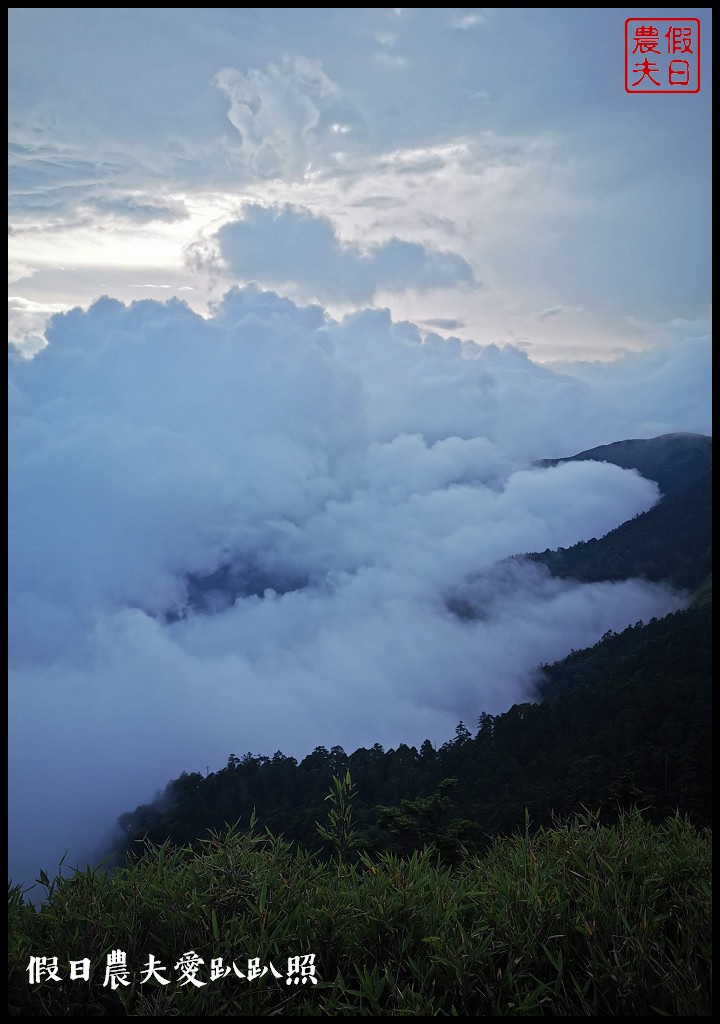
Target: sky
{"points": [[480, 171], [297, 298]]}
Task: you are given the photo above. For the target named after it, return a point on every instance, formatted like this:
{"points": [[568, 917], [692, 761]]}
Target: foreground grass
{"points": [[583, 920]]}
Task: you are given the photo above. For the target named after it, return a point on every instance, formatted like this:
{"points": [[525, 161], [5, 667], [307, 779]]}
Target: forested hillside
{"points": [[626, 721], [671, 542]]}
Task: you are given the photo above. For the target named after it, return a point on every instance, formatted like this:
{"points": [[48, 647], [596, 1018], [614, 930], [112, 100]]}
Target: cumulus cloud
{"points": [[670, 377], [246, 532], [26, 322], [281, 246]]}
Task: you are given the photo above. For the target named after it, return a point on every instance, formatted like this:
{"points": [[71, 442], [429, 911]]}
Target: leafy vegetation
{"points": [[584, 919]]}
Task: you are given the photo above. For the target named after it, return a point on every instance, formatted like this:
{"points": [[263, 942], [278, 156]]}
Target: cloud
{"points": [[467, 17], [51, 181], [287, 117], [289, 246], [444, 324], [669, 376], [26, 322], [289, 105], [379, 202], [139, 208], [341, 480]]}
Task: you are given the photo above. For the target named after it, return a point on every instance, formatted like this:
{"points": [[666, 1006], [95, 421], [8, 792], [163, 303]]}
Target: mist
{"points": [[245, 532]]}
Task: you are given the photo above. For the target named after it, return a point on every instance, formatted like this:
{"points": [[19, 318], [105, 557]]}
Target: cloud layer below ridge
{"points": [[241, 532]]}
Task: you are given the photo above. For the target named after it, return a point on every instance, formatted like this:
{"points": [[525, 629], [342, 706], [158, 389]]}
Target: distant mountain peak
{"points": [[673, 461]]}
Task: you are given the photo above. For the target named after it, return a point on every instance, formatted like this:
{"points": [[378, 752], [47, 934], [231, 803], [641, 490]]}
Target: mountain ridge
{"points": [[672, 460], [625, 719]]}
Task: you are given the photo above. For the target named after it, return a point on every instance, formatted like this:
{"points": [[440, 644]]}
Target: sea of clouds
{"points": [[242, 532]]}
